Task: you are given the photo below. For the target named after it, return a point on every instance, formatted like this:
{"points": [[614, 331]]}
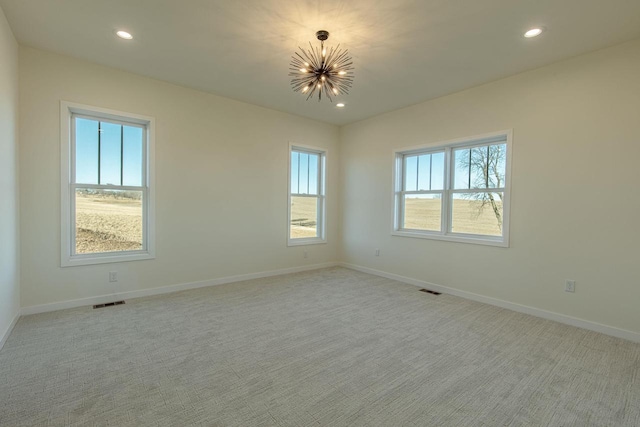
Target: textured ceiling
{"points": [[404, 51]]}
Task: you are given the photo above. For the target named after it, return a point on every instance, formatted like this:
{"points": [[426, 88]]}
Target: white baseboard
{"points": [[5, 336], [102, 299], [562, 318]]}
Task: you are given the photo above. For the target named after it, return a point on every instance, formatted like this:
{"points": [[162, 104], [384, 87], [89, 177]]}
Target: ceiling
{"points": [[404, 51]]}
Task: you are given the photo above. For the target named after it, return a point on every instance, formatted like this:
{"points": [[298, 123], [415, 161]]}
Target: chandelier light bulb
{"points": [[318, 70]]}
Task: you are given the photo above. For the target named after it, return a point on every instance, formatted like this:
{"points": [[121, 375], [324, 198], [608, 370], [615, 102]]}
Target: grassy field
{"points": [[106, 223], [420, 214], [303, 217], [424, 214]]}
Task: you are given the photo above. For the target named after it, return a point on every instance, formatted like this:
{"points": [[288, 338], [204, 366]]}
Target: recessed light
{"points": [[340, 105], [124, 35], [534, 32]]}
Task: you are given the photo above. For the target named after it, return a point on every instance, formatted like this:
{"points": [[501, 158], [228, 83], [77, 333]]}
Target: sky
{"points": [[426, 172], [304, 172], [120, 151]]}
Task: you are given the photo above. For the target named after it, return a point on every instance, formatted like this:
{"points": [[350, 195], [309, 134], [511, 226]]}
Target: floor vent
{"points": [[430, 291], [109, 304]]}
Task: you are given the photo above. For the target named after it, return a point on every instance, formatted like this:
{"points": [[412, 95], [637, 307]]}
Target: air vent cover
{"points": [[109, 304], [429, 291]]}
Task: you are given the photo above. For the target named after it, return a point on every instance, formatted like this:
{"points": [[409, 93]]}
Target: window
{"points": [[306, 196], [107, 192], [457, 191]]}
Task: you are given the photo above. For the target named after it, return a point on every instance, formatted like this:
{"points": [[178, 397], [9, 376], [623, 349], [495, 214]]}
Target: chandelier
{"points": [[317, 70]]}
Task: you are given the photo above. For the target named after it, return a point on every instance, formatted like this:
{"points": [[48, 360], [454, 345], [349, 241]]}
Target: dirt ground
{"points": [[303, 217], [424, 214], [107, 224], [420, 214]]}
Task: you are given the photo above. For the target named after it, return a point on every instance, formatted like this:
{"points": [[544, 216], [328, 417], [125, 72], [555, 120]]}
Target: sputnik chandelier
{"points": [[317, 70]]}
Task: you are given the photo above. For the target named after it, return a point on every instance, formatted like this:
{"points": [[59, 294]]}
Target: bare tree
{"points": [[486, 171]]}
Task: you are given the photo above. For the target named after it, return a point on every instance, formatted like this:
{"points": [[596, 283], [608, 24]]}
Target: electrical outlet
{"points": [[113, 276], [377, 252], [306, 255], [570, 286]]}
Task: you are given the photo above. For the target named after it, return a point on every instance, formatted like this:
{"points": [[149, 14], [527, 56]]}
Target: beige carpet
{"points": [[332, 347]]}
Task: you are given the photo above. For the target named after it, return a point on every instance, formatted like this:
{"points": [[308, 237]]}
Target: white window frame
{"points": [[448, 147], [321, 221], [67, 185]]}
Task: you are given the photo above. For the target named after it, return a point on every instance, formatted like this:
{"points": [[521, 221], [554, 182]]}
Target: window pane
{"points": [[478, 167], [108, 221], [86, 151], [462, 165], [477, 213], [437, 171], [422, 212], [303, 181], [295, 163], [304, 217], [424, 172], [410, 173], [313, 174], [497, 165], [132, 156], [110, 166]]}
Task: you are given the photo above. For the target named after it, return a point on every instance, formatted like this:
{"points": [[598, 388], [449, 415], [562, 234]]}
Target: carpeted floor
{"points": [[332, 347]]}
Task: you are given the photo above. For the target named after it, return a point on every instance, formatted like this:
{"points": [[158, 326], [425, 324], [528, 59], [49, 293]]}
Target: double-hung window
{"points": [[107, 198], [456, 191], [306, 216]]}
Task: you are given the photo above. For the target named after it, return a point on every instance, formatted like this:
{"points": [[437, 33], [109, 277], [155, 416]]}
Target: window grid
{"points": [[74, 185], [139, 134], [447, 194], [404, 192], [297, 153]]}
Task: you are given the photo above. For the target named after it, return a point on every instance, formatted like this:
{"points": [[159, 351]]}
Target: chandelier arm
{"points": [[330, 57], [300, 59], [309, 55], [311, 92], [342, 56], [336, 51], [299, 85], [328, 93]]}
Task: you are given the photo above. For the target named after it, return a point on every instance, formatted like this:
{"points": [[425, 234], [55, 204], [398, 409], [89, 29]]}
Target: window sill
{"points": [[93, 259], [306, 241], [459, 238]]}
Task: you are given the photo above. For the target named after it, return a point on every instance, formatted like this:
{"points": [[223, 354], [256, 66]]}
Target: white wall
{"points": [[574, 197], [221, 181], [575, 201], [9, 206]]}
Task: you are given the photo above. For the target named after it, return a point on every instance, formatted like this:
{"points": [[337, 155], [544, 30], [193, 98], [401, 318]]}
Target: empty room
{"points": [[319, 213]]}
